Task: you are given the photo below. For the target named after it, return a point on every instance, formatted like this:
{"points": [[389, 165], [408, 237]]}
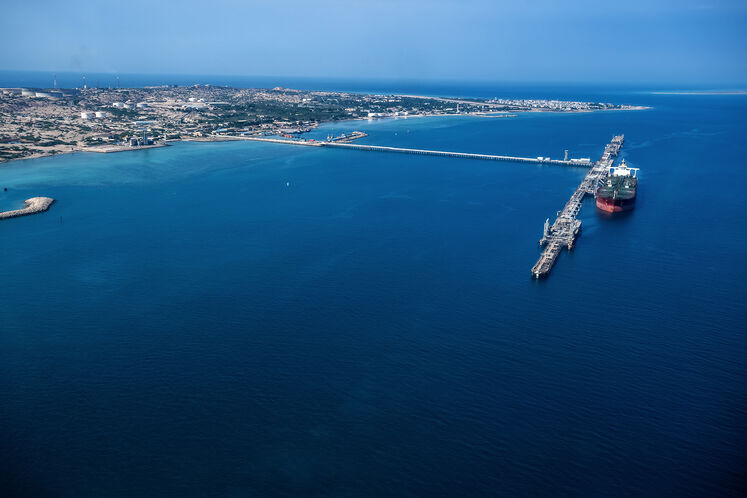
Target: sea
{"points": [[253, 319]]}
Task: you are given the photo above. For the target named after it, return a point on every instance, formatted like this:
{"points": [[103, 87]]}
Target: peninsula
{"points": [[43, 122]]}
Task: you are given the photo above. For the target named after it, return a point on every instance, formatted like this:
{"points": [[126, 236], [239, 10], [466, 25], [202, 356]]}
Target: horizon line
{"points": [[670, 85]]}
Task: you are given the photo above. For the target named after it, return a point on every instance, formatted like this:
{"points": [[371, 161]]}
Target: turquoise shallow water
{"points": [[237, 319]]}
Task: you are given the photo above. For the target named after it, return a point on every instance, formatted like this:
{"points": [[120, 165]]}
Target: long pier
{"points": [[566, 227], [585, 163], [562, 233], [462, 155]]}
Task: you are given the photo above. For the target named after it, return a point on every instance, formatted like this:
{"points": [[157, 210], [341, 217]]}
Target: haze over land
{"points": [[684, 42]]}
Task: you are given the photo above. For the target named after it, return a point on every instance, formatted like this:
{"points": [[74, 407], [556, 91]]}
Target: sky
{"points": [[630, 41]]}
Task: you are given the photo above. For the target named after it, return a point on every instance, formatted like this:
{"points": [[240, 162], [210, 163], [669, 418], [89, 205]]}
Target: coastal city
{"points": [[43, 122]]}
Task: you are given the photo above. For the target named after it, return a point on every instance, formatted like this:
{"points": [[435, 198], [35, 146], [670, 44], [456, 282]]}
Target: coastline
{"points": [[95, 150], [107, 149]]}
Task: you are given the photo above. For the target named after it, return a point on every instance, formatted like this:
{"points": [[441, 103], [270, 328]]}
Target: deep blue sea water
{"points": [[244, 319]]}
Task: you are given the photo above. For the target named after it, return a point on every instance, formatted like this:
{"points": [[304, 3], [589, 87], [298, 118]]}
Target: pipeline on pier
{"points": [[378, 148], [461, 155]]}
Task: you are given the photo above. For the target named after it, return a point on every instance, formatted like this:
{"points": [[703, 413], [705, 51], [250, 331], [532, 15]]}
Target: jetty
{"points": [[566, 227], [107, 149], [564, 231], [33, 206]]}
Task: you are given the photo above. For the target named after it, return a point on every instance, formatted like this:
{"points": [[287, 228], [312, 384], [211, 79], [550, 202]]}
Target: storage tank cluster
{"points": [[139, 142], [91, 115], [55, 94]]}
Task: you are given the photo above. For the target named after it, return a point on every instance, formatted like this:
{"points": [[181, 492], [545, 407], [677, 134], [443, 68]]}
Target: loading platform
{"points": [[345, 138], [563, 232]]}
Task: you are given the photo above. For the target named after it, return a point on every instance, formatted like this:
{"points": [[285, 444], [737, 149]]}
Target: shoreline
{"points": [[108, 149], [487, 103], [115, 148]]}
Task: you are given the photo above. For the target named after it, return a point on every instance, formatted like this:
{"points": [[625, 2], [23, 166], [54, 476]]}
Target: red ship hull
{"points": [[615, 205]]}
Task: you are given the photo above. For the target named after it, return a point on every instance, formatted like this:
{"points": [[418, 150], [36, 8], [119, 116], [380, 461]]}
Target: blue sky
{"points": [[635, 41]]}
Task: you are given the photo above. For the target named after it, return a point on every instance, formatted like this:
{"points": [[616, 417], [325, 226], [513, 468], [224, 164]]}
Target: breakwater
{"points": [[33, 206]]}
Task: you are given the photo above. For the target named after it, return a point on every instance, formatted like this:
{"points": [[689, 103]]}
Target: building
{"points": [[87, 115]]}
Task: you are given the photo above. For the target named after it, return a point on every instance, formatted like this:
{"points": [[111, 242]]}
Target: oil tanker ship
{"points": [[617, 191]]}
